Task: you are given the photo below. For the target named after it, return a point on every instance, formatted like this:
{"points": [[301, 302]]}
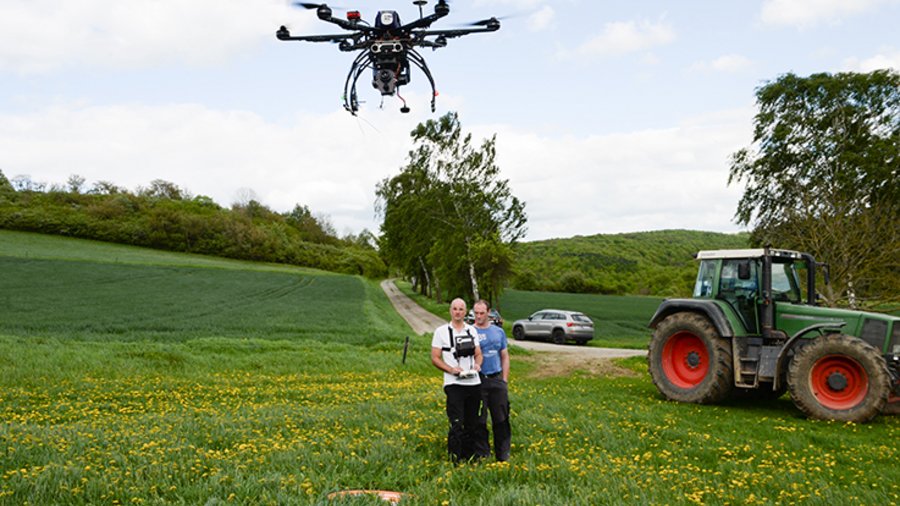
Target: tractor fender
{"points": [[781, 361], [706, 308]]}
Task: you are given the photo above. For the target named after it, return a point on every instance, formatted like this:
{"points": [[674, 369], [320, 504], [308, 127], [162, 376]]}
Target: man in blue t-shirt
{"points": [[494, 379]]}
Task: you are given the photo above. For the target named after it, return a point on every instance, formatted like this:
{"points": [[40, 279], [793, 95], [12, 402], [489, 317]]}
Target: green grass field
{"points": [[130, 376]]}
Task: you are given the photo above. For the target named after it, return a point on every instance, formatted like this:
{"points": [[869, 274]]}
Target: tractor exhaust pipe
{"points": [[767, 313]]}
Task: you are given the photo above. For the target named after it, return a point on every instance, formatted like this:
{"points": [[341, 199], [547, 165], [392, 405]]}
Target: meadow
{"points": [[130, 376]]}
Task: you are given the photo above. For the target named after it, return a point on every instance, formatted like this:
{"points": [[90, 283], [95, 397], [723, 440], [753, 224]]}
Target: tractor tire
{"points": [[689, 361], [519, 334], [839, 377], [559, 336]]}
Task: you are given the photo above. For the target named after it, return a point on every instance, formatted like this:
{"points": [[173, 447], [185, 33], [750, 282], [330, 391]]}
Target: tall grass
{"points": [[243, 412]]}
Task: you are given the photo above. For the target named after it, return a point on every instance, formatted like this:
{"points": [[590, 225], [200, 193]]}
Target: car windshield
{"points": [[581, 318]]}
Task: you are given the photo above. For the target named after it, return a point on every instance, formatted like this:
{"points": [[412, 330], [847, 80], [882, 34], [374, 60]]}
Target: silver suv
{"points": [[556, 325]]}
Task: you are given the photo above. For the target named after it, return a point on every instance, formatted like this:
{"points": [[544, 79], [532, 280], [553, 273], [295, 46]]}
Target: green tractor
{"points": [[753, 329]]}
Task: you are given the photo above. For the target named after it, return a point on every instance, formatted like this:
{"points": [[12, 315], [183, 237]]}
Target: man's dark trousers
{"points": [[463, 403], [495, 396]]}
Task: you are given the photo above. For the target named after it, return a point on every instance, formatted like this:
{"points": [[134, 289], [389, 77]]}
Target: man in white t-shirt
{"points": [[455, 351]]}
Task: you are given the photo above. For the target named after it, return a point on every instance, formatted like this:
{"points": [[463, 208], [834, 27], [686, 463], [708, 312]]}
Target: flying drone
{"points": [[388, 47]]}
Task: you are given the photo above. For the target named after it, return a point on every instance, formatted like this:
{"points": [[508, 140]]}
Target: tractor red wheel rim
{"points": [[685, 360], [839, 382]]}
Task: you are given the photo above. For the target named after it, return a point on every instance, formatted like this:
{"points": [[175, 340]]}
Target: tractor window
{"points": [[784, 283], [738, 285], [705, 278]]}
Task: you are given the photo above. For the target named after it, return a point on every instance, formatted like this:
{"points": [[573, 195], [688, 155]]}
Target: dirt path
{"points": [[555, 359]]}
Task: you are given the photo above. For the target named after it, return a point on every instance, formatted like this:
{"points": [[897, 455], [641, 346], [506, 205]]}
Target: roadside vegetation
{"points": [[231, 402], [166, 217]]}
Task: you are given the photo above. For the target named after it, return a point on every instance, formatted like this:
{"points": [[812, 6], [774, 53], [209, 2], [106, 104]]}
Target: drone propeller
{"points": [[308, 5], [490, 21]]}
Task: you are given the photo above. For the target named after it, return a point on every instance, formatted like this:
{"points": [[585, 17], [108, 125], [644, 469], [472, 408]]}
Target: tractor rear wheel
{"points": [[839, 377], [689, 361]]}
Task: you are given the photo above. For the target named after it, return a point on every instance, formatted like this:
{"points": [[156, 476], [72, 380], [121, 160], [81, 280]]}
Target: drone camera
{"points": [[386, 47]]}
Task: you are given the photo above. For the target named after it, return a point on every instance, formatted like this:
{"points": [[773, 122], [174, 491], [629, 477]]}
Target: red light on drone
{"points": [[353, 16]]}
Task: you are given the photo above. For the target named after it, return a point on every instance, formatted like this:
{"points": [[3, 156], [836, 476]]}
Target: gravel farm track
{"points": [[554, 357]]}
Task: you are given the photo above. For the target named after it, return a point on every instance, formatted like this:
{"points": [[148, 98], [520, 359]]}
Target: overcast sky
{"points": [[610, 116]]}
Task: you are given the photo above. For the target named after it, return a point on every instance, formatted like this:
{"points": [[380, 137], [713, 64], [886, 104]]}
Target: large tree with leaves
{"points": [[823, 175], [449, 218]]}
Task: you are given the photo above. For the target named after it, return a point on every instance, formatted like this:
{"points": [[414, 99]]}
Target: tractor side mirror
{"points": [[744, 270], [826, 273]]}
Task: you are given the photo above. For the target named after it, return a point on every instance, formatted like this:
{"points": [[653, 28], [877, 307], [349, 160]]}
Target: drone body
{"points": [[387, 47]]}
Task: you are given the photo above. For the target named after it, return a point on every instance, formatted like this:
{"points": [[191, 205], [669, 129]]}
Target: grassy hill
{"points": [[642, 263], [82, 289], [133, 376]]}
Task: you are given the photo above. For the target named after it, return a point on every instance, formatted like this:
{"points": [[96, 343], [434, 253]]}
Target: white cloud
{"points": [[624, 37], [729, 63], [625, 182], [43, 35], [802, 13], [542, 19], [887, 58]]}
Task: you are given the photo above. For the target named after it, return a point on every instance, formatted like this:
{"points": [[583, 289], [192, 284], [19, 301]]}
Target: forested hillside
{"points": [[164, 216], [642, 263]]}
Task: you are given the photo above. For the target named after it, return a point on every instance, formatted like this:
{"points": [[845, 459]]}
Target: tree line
{"points": [[166, 216]]}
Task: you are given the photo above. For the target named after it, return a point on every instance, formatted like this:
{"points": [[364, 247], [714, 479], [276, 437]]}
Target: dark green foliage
{"points": [[823, 176], [164, 216], [5, 185], [643, 263]]}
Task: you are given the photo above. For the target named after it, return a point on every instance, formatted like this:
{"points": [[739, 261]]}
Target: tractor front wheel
{"points": [[689, 361], [839, 377]]}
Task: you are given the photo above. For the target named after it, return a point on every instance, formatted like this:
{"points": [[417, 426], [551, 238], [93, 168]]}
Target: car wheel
{"points": [[519, 333], [559, 336]]}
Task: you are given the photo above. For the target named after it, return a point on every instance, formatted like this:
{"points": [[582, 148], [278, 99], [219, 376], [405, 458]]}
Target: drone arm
{"points": [[492, 26], [441, 9], [284, 34]]}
